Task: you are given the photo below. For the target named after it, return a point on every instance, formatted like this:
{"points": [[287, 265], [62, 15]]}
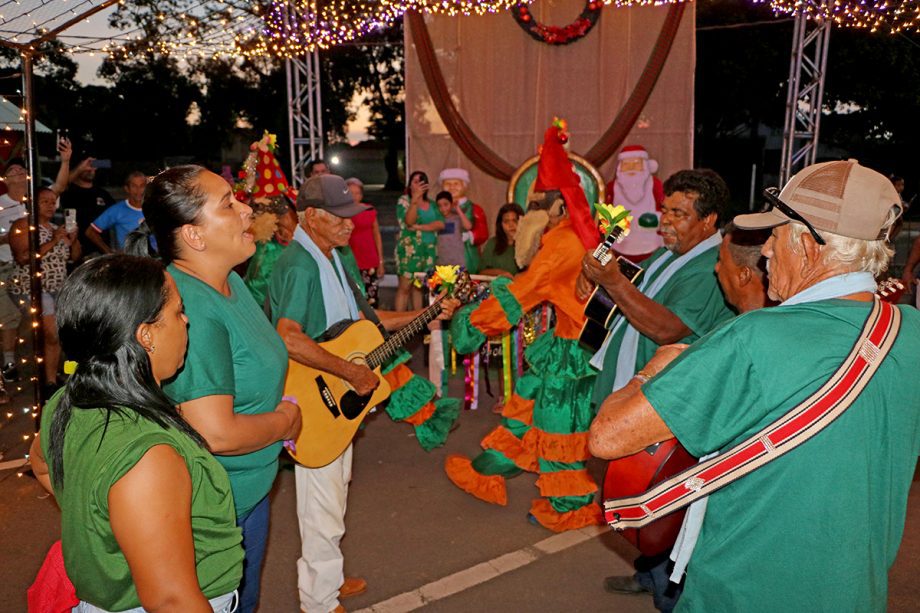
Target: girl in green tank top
{"points": [[146, 511]]}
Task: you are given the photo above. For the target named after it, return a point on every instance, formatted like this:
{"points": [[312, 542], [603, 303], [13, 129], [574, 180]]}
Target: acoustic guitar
{"points": [[331, 410], [601, 308]]}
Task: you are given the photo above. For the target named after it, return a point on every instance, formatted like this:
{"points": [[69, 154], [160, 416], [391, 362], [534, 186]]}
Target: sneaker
{"points": [[624, 584], [10, 372]]}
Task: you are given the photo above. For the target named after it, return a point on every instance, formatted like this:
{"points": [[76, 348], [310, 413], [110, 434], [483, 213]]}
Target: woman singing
{"points": [[230, 387]]}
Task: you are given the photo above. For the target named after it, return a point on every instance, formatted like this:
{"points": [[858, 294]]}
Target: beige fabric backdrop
{"points": [[508, 87]]}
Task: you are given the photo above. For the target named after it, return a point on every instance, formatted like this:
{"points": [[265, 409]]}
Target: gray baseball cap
{"points": [[330, 193]]}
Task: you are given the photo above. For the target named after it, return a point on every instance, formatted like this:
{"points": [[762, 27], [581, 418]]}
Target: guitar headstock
{"points": [[466, 290], [613, 223], [891, 289]]}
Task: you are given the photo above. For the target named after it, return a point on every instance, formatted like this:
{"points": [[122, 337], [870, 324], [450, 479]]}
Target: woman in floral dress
{"points": [[416, 247]]}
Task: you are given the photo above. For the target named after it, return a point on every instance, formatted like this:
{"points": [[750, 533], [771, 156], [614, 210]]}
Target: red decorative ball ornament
{"points": [[557, 35]]}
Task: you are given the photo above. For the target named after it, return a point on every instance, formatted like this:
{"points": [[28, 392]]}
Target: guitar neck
{"points": [[602, 251], [393, 344]]}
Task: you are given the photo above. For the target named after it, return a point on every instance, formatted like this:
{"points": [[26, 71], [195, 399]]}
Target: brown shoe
{"points": [[338, 609], [352, 587]]}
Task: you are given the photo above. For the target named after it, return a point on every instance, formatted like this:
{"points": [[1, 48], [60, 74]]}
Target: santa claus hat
{"points": [[638, 151], [555, 171], [454, 173]]}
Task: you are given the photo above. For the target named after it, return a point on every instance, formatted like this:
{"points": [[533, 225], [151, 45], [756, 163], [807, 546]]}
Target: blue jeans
{"points": [[255, 536], [654, 574]]}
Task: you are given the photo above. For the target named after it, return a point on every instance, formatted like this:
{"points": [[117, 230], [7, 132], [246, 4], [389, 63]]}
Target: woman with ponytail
{"points": [[230, 388], [146, 511]]}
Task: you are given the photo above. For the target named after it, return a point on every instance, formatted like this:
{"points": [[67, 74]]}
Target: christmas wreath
{"points": [[558, 35]]}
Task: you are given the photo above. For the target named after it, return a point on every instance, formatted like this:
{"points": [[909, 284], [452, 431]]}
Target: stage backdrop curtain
{"points": [[507, 87]]}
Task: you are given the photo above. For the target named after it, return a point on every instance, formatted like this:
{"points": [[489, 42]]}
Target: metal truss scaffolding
{"points": [[305, 116], [807, 70]]}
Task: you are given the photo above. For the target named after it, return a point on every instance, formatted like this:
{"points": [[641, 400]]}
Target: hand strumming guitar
{"points": [[362, 379]]}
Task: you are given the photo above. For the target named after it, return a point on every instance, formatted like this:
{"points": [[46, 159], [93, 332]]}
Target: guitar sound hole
{"points": [[352, 404]]}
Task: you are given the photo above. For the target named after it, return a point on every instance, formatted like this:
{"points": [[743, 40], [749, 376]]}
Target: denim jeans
{"points": [[255, 537]]}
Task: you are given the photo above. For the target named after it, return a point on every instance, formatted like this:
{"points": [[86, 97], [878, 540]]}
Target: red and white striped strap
{"points": [[782, 436]]}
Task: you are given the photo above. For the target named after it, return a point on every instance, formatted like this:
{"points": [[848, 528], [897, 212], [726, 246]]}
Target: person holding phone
{"points": [[87, 199], [416, 246], [57, 246]]}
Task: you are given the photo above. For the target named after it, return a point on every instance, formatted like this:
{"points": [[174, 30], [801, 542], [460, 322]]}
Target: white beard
{"points": [[633, 186]]}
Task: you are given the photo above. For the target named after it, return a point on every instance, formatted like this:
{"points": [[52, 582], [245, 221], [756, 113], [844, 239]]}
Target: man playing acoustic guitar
{"points": [[817, 396], [309, 293]]}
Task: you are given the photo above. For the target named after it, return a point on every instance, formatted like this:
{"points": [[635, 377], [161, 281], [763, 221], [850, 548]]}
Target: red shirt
{"points": [[362, 240]]}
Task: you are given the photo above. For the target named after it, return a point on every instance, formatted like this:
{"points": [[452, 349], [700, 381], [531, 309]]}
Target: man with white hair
{"points": [[457, 181], [636, 188], [816, 528]]}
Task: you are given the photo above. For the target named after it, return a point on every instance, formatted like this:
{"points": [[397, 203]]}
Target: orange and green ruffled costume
{"points": [[544, 427]]}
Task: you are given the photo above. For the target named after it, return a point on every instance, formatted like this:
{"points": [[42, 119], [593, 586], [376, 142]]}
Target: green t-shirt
{"points": [[96, 455], [232, 350], [818, 528], [295, 290], [504, 261], [692, 293]]}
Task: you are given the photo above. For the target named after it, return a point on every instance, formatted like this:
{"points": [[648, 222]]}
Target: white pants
{"points": [[321, 497]]}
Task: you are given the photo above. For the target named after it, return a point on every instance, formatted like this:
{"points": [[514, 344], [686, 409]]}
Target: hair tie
{"points": [[70, 367]]}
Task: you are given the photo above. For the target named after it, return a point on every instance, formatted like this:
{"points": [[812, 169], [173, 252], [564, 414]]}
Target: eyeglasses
{"points": [[772, 196]]}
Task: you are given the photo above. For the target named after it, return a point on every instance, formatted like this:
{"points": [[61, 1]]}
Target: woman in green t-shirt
{"points": [[498, 252], [146, 512], [230, 388]]}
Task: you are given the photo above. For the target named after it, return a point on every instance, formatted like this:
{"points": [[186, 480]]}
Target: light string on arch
{"points": [[290, 28]]}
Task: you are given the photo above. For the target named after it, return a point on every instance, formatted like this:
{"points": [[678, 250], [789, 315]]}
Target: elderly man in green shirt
{"points": [[819, 527], [309, 291]]}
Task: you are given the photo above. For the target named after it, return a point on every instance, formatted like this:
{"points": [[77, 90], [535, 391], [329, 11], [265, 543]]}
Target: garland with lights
{"points": [[558, 35]]}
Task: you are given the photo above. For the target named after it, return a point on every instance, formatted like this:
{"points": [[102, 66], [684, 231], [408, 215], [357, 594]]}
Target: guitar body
{"points": [[639, 472], [330, 408]]}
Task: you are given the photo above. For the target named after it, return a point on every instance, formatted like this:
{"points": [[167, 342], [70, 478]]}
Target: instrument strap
{"points": [[798, 425], [364, 306]]}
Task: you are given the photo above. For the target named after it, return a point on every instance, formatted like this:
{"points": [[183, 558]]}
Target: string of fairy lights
{"points": [[228, 29]]}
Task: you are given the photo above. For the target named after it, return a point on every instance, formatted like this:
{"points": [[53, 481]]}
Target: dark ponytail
{"points": [[172, 200], [138, 242], [98, 312]]}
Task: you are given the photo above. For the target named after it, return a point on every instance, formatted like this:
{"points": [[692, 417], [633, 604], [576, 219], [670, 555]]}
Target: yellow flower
{"points": [[448, 274]]}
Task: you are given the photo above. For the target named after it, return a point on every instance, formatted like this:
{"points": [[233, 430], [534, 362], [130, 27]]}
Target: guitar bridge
{"points": [[328, 399]]}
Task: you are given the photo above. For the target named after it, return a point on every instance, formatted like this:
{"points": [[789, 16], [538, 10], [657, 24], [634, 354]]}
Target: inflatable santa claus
{"points": [[636, 188]]}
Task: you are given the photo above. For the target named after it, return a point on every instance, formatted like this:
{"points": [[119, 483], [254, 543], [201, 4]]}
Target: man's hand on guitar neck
{"points": [[610, 277]]}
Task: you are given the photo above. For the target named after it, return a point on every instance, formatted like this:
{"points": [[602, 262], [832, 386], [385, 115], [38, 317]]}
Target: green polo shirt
{"points": [[818, 528]]}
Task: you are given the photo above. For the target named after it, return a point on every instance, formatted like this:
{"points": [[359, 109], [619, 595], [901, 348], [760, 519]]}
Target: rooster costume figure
{"points": [[544, 426]]}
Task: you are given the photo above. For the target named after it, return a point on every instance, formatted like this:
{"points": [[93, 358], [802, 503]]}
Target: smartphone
{"points": [[101, 164], [63, 133], [70, 219]]}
